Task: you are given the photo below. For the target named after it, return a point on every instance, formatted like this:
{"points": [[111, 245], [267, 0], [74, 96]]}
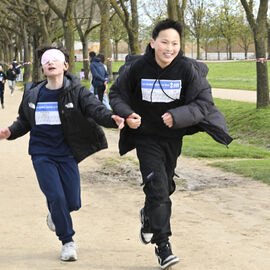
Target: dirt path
{"points": [[239, 95], [220, 221]]}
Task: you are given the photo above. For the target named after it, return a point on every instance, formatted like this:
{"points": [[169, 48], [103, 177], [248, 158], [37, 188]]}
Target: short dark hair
{"points": [[92, 54], [166, 24], [43, 49]]}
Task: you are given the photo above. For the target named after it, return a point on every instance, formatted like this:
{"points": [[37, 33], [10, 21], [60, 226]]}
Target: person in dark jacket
{"points": [[2, 86], [11, 77], [163, 96], [63, 118], [100, 77]]}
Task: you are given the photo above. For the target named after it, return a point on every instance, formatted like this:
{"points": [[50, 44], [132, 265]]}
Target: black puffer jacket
{"points": [[196, 110], [80, 112]]}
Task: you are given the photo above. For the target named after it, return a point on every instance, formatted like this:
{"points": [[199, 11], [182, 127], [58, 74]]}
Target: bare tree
{"points": [[130, 22], [197, 12], [258, 27], [118, 33], [229, 25], [84, 25], [68, 25]]}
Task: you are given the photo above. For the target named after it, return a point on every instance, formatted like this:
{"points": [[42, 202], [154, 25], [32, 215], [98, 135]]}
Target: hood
{"points": [[95, 59], [70, 81]]}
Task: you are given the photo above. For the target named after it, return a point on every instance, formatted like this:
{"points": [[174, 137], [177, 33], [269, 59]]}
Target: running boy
{"points": [[63, 118], [163, 96]]}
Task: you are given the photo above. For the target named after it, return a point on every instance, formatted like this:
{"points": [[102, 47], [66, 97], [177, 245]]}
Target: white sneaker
{"points": [[50, 222], [69, 252]]}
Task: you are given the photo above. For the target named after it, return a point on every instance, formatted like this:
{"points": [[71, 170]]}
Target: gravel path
{"points": [[233, 94]]}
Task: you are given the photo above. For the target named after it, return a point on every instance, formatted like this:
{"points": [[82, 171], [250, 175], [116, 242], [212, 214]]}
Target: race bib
{"points": [[160, 90], [47, 114]]}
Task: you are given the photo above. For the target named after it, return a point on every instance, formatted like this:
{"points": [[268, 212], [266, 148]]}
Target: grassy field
{"points": [[249, 153], [234, 75], [231, 75]]}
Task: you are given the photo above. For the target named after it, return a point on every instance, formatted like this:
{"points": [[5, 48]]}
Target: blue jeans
{"points": [[59, 180]]}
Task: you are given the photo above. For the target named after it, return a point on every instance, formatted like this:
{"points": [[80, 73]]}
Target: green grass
{"points": [[256, 169], [246, 123], [231, 75], [234, 75], [201, 145], [250, 129]]}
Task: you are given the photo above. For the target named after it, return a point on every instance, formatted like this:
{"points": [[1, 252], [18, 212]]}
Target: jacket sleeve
{"points": [[21, 125], [118, 95], [92, 108], [198, 102]]}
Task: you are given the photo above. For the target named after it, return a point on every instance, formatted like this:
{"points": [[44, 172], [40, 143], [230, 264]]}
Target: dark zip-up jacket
{"points": [[194, 111], [99, 73], [11, 74], [80, 113]]}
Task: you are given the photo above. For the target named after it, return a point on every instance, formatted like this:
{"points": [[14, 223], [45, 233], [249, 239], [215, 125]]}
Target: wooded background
{"points": [[25, 25]]}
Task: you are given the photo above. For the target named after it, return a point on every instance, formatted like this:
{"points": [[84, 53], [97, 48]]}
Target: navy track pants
{"points": [[59, 180]]}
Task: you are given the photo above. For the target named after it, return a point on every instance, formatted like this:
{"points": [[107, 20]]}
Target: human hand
{"points": [[134, 120], [4, 133], [120, 122], [167, 119]]}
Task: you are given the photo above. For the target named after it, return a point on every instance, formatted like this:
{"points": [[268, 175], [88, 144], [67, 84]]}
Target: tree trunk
{"points": [[37, 74], [85, 57], [230, 49], [171, 9], [26, 56], [262, 73], [268, 41], [259, 33], [68, 26], [116, 51], [105, 44], [198, 49]]}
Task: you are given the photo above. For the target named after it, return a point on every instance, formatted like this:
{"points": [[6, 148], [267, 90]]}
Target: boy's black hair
{"points": [[166, 24], [43, 49], [92, 54]]}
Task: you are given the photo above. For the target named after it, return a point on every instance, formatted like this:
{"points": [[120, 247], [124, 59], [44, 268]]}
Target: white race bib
{"points": [[47, 114], [169, 90]]}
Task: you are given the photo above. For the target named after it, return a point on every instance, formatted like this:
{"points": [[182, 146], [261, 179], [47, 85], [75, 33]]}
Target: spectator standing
{"points": [[105, 99], [92, 54], [2, 86], [11, 77], [99, 77]]}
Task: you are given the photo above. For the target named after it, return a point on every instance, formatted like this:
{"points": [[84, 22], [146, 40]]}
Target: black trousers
{"points": [[99, 90], [158, 159], [2, 94]]}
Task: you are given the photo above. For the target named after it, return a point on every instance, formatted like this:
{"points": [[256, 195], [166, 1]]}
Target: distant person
{"points": [[105, 99], [17, 69], [99, 77], [2, 86], [92, 54], [11, 77], [64, 120], [163, 96]]}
